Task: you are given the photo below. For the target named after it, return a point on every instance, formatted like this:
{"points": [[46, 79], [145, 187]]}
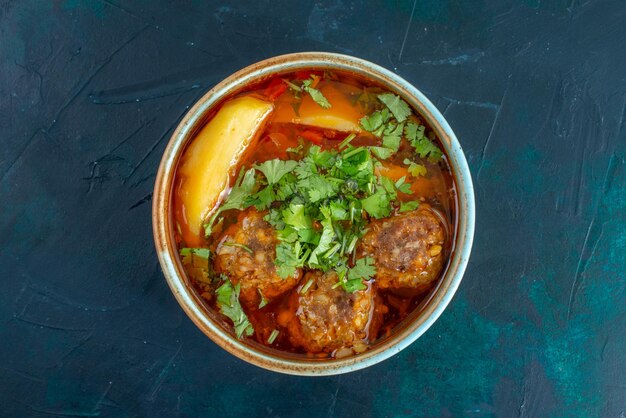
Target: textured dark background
{"points": [[90, 92]]}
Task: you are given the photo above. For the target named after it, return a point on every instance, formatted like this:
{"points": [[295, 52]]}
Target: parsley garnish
{"points": [[236, 199], [242, 246], [275, 169], [415, 169], [273, 336], [315, 94], [396, 105], [377, 205], [408, 206], [403, 187], [228, 302], [263, 300], [424, 147], [363, 270], [204, 253]]}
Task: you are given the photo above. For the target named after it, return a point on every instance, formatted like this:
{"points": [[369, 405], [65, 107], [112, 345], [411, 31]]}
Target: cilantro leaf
{"points": [[363, 270], [377, 205], [228, 302], [292, 86], [408, 206], [322, 159], [392, 142], [296, 217], [424, 147], [238, 245], [198, 252], [237, 199], [240, 191], [275, 169], [396, 105], [402, 186], [315, 94], [263, 300], [318, 188], [389, 186], [264, 198], [392, 134], [288, 258], [415, 169], [328, 234], [381, 152], [371, 122], [339, 211]]}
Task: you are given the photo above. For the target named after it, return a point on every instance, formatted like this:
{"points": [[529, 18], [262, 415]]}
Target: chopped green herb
{"points": [[236, 244], [396, 105], [363, 270], [275, 169], [347, 140], [292, 86], [295, 150], [237, 198], [408, 206], [415, 169], [198, 252], [288, 258], [263, 300], [424, 147], [306, 286], [372, 122], [273, 336], [315, 94], [228, 302], [199, 258], [377, 205], [403, 187], [296, 217], [381, 152]]}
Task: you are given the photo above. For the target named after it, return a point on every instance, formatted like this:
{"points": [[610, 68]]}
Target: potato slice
{"points": [[206, 164], [342, 116]]}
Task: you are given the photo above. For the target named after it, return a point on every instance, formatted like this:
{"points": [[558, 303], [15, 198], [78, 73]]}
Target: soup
{"points": [[314, 212]]}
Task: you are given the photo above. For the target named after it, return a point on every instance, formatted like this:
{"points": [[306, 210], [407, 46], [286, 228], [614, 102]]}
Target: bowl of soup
{"points": [[313, 214]]}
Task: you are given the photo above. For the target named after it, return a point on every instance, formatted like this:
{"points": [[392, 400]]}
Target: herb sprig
{"points": [[228, 303]]}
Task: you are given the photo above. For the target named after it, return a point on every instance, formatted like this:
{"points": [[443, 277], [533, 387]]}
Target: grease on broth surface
{"points": [[315, 211]]}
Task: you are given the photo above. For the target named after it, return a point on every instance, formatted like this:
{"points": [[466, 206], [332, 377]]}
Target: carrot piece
{"points": [[275, 89], [314, 136], [392, 171]]}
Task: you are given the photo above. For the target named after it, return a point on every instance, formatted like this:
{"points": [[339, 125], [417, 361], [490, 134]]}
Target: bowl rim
{"points": [[166, 245]]}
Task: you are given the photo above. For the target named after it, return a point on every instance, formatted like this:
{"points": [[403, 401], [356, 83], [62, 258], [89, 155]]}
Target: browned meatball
{"points": [[407, 249], [246, 252], [332, 320]]}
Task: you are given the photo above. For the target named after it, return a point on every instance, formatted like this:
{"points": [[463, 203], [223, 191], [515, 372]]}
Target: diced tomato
{"points": [[314, 136], [331, 134], [303, 75], [276, 88]]}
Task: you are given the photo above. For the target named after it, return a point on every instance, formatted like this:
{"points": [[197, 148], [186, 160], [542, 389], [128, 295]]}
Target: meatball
{"points": [[245, 252], [407, 249], [332, 320]]}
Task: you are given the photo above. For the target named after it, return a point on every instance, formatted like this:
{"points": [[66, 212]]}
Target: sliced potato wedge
{"points": [[206, 163]]}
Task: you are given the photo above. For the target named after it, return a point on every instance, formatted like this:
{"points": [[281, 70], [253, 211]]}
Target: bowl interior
{"points": [[416, 323]]}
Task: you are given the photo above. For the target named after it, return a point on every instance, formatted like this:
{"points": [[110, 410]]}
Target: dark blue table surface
{"points": [[90, 92]]}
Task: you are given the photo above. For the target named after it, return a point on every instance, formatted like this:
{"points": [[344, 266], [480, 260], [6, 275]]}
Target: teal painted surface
{"points": [[90, 92]]}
